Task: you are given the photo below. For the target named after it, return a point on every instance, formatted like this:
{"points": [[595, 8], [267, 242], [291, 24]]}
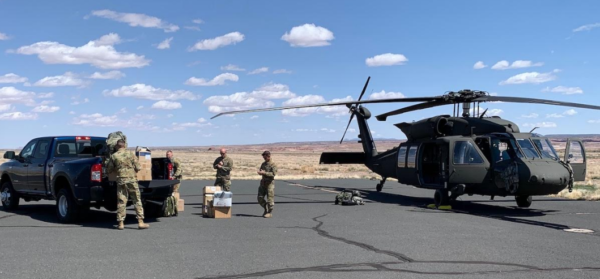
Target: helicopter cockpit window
{"points": [[545, 148], [504, 149], [466, 153], [528, 148], [402, 157], [411, 160]]}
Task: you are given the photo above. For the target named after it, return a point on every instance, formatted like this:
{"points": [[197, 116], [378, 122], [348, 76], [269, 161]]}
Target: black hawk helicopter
{"points": [[466, 154]]}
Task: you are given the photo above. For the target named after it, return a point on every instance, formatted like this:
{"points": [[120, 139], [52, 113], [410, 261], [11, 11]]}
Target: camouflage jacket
{"points": [[271, 170], [125, 165], [177, 169], [225, 170]]}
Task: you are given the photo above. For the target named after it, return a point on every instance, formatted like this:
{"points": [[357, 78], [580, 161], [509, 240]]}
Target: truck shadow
{"points": [[94, 218]]}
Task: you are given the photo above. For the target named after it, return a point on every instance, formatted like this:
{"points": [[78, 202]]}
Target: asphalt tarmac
{"points": [[394, 235]]}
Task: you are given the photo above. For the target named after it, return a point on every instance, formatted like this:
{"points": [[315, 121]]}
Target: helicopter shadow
{"points": [[46, 214], [474, 208]]}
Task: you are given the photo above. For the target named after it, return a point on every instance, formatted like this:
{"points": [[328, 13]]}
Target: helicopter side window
{"points": [[466, 153], [545, 148], [504, 149], [402, 157], [528, 149], [411, 160]]}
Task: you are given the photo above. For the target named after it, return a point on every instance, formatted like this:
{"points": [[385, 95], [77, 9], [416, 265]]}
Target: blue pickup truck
{"points": [[70, 170]]}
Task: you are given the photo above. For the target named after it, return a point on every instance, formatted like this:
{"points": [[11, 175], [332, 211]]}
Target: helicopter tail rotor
{"points": [[354, 108]]}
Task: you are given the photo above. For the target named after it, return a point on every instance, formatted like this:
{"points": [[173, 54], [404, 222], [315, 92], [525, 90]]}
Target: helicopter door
{"points": [[469, 165], [575, 155]]}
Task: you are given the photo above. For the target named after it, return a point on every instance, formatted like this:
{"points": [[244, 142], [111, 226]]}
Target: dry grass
{"points": [[301, 161]]}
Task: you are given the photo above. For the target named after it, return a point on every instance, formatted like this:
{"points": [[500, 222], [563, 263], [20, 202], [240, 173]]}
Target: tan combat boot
{"points": [[121, 226], [142, 225], [268, 214]]}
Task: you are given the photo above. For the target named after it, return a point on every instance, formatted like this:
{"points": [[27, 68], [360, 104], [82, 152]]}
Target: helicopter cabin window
{"points": [[465, 153], [504, 149], [402, 157], [528, 149], [577, 152], [411, 160], [545, 147]]}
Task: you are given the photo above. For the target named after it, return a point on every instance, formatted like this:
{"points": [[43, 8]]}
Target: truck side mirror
{"points": [[9, 155]]}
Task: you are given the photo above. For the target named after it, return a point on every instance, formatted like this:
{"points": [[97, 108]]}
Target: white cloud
{"points": [[166, 105], [98, 55], [107, 75], [195, 28], [71, 112], [5, 107], [564, 90], [169, 115], [531, 115], [143, 91], [198, 21], [531, 77], [236, 101], [45, 109], [387, 59], [134, 20], [12, 78], [254, 117], [587, 27], [18, 116], [122, 111], [554, 115], [273, 91], [351, 130], [570, 112], [165, 44], [140, 107], [136, 122], [232, 67], [68, 79], [282, 71], [212, 44], [110, 39], [386, 95], [314, 99], [4, 37], [183, 126], [11, 95], [259, 70], [541, 125], [304, 130], [504, 65], [479, 65], [494, 112], [308, 35], [218, 80], [77, 102], [327, 130]]}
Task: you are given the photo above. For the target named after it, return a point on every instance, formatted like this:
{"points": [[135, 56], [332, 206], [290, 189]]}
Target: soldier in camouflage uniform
{"points": [[223, 165], [268, 170], [177, 170], [126, 166]]}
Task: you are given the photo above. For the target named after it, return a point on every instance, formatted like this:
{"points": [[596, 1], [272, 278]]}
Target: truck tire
{"points": [[152, 210], [10, 197], [67, 210]]}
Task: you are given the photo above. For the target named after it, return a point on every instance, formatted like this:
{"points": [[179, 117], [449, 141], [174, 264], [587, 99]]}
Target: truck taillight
{"points": [[82, 138], [97, 172], [170, 171]]}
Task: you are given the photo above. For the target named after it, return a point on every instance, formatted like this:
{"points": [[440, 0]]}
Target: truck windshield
{"points": [[504, 149], [72, 148], [546, 148]]}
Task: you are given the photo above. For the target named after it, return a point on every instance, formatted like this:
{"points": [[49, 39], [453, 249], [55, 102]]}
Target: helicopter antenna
{"points": [[533, 130], [483, 114]]}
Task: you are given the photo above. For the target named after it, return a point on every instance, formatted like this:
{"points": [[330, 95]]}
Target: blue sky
{"points": [[159, 70]]}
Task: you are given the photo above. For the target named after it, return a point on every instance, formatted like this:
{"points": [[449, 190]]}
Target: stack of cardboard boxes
{"points": [[216, 204], [144, 157], [180, 202]]}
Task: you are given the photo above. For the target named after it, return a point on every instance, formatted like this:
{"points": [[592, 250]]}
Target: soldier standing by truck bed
{"points": [[223, 165], [126, 166]]}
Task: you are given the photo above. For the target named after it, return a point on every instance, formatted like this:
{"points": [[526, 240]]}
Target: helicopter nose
{"points": [[547, 178]]}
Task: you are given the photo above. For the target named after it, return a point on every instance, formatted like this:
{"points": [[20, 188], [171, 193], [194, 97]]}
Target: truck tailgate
{"points": [[157, 189]]}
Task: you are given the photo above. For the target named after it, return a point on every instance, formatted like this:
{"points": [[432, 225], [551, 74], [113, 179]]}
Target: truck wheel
{"points": [[10, 197], [67, 210], [152, 210]]}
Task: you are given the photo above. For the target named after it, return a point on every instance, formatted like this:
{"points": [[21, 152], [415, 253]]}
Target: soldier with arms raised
{"points": [[126, 166]]}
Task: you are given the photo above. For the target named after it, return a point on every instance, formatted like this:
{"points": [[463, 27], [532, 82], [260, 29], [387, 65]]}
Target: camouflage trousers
{"points": [[123, 191], [224, 183], [267, 188]]}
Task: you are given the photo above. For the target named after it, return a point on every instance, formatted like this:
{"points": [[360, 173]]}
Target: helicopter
{"points": [[463, 153]]}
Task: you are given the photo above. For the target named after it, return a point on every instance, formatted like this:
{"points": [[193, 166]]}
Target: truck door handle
{"points": [[40, 165]]}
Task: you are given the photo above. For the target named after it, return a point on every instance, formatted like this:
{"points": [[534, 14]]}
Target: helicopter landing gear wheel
{"points": [[380, 184], [523, 201], [441, 198]]}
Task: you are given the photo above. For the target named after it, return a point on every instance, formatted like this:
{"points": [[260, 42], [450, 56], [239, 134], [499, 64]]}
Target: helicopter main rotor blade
{"points": [[532, 101], [394, 100], [364, 89], [383, 117], [351, 117]]}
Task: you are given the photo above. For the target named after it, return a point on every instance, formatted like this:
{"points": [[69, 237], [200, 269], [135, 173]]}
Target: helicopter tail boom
{"points": [[342, 158]]}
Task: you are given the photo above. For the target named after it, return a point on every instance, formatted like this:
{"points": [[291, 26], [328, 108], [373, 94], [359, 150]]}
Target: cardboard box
{"points": [[177, 196], [206, 204], [221, 212], [222, 199], [211, 211], [144, 175], [180, 205], [211, 189]]}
